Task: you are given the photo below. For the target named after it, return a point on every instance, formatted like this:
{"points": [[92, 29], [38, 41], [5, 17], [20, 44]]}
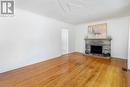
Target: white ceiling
{"points": [[77, 11]]}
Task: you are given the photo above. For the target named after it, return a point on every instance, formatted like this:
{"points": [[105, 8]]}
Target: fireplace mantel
{"points": [[97, 39], [104, 42]]}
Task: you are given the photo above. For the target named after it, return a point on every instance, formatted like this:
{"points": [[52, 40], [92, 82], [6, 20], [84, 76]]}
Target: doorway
{"points": [[65, 40]]}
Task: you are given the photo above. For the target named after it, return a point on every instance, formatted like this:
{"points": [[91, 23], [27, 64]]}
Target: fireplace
{"points": [[101, 47], [96, 49]]}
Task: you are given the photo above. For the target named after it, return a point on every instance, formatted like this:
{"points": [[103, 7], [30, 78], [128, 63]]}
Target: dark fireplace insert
{"points": [[96, 49]]}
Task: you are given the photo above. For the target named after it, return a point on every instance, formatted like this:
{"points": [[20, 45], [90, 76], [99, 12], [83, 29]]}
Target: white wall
{"points": [[28, 38], [129, 48], [117, 29]]}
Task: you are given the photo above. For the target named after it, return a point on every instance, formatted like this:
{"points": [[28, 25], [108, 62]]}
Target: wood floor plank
{"points": [[72, 70]]}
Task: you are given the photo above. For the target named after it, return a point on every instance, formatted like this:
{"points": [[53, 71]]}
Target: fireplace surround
{"points": [[101, 47]]}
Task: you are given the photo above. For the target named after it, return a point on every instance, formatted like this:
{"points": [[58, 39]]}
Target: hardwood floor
{"points": [[73, 70]]}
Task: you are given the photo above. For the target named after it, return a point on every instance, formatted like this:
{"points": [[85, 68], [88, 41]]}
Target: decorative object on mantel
{"points": [[97, 31], [98, 46]]}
